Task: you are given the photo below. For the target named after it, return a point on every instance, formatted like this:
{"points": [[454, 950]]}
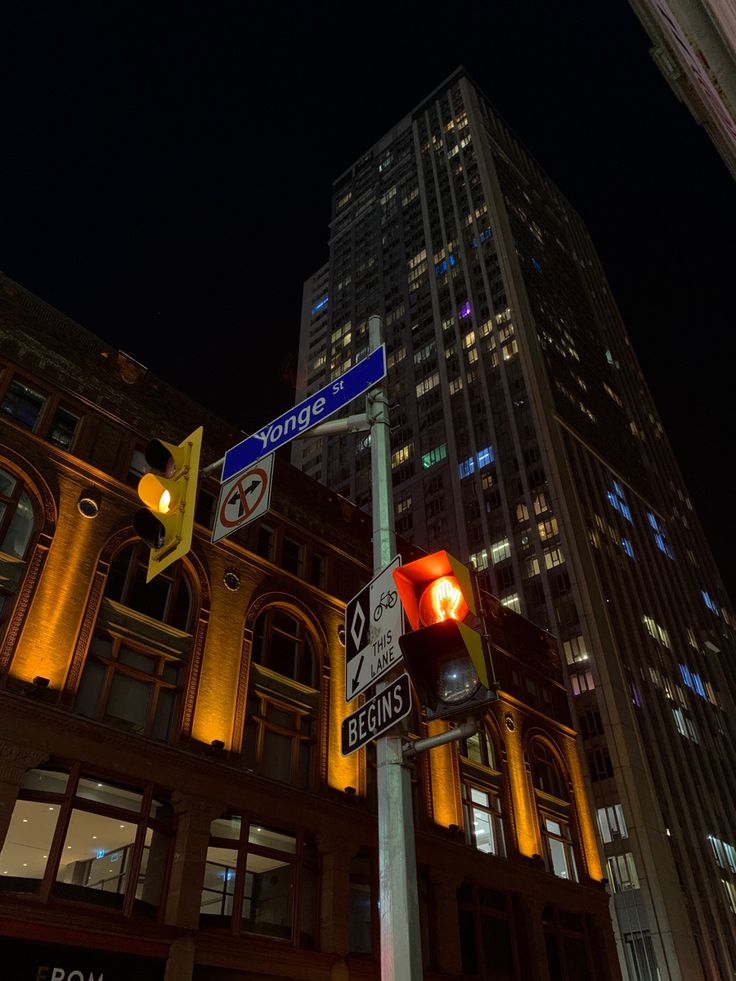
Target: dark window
{"points": [[260, 880], [135, 671], [600, 765], [279, 740], [362, 924], [553, 811], [167, 597], [317, 569], [292, 556], [488, 943], [63, 428], [568, 946], [204, 513], [137, 466], [591, 724], [16, 516], [22, 404], [265, 542], [283, 701], [281, 643], [546, 774], [129, 687]]}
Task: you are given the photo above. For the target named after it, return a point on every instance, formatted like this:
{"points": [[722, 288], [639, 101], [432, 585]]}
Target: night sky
{"points": [[166, 169]]}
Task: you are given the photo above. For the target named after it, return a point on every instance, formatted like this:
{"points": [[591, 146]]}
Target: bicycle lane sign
{"points": [[373, 624]]}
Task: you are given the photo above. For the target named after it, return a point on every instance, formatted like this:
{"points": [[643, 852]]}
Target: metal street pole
{"points": [[401, 952]]}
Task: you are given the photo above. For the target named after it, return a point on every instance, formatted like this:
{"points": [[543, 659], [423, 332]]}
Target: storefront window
{"points": [[261, 880], [112, 840]]}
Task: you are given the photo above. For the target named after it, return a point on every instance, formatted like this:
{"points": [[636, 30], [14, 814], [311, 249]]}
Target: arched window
{"points": [[283, 700], [546, 775], [481, 792], [16, 529], [16, 516], [136, 666], [167, 598], [479, 748], [280, 643], [554, 810]]}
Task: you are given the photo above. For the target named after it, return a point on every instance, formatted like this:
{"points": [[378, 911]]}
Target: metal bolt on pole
{"points": [[401, 952]]}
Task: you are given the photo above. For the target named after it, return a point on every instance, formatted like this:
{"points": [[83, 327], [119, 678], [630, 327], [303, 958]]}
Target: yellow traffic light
{"points": [[446, 653], [169, 492]]}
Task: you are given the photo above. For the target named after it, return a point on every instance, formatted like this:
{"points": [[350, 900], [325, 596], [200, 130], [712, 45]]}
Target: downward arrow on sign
{"points": [[356, 679]]}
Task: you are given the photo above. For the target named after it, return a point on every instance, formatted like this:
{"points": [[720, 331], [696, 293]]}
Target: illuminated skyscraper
{"points": [[525, 441]]}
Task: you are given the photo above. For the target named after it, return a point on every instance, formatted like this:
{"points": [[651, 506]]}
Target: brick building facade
{"points": [[173, 799]]}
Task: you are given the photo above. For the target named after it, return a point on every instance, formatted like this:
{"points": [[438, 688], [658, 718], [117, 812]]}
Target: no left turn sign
{"points": [[243, 498]]}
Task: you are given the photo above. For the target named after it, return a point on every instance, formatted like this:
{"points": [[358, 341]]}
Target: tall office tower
{"points": [[526, 442]]}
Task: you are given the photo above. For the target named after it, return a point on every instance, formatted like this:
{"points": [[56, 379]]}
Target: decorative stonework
{"points": [[85, 634], [15, 761], [130, 371], [329, 843], [205, 809]]}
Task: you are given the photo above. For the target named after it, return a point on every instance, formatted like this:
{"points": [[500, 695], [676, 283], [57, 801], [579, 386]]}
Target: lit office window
{"points": [[482, 819], [501, 550], [611, 823], [113, 852], [622, 874]]}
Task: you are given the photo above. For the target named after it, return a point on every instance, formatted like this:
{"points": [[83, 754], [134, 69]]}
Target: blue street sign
{"points": [[312, 411]]}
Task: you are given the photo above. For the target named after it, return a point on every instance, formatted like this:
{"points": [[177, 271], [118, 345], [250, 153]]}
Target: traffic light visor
{"points": [[149, 528], [158, 494], [435, 588], [166, 457]]}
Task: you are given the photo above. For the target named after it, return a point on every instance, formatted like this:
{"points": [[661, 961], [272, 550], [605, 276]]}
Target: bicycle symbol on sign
{"points": [[386, 602]]}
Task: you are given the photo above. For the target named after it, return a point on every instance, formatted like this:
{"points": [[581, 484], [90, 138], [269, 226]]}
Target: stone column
{"points": [[603, 945], [194, 817], [445, 935], [180, 965], [533, 950], [337, 854], [15, 761]]}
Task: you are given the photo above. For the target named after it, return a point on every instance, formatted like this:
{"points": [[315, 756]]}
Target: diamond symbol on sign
{"points": [[356, 627]]}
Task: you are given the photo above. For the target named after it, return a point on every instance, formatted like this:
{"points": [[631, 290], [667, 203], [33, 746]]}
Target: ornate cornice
{"points": [[16, 760]]}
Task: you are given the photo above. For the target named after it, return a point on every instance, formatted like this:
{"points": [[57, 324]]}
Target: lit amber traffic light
{"points": [[169, 492]]}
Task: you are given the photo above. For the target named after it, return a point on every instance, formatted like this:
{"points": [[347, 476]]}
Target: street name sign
{"points": [[243, 498], [373, 625], [377, 715], [313, 410]]}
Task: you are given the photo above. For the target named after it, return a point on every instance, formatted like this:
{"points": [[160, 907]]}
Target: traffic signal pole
{"points": [[401, 950]]}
